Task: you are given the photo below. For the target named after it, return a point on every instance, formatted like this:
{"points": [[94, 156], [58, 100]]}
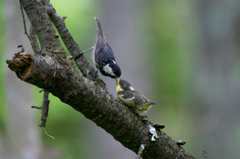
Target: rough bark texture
{"points": [[54, 71], [68, 40], [33, 40]]}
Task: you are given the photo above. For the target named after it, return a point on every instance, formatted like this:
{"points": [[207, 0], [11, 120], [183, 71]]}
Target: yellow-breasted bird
{"points": [[133, 99]]}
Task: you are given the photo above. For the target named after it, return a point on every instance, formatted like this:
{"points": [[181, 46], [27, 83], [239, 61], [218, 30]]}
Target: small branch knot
{"points": [[21, 46], [64, 17], [180, 142], [20, 61]]}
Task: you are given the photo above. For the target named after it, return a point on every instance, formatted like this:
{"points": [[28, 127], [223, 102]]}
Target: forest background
{"points": [[184, 55]]}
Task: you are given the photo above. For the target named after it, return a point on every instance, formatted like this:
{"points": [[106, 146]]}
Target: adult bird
{"points": [[103, 56]]}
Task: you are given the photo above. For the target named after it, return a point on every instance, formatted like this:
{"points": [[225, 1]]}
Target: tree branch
{"points": [[68, 40], [33, 40], [43, 27], [56, 73]]}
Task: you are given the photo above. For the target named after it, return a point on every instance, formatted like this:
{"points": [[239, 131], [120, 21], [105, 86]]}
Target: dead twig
{"points": [[24, 22], [44, 107]]}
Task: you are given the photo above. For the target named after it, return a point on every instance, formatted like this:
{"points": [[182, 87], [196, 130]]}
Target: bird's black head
{"points": [[111, 69], [123, 85], [115, 69]]}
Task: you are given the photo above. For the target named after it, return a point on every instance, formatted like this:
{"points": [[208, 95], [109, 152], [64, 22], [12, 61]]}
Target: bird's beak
{"points": [[117, 80]]}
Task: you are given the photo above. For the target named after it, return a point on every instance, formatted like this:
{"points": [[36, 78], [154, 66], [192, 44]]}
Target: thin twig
{"points": [[44, 107], [24, 23], [36, 107], [21, 46]]}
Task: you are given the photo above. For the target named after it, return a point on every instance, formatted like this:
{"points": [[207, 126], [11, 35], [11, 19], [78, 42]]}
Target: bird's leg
{"points": [[95, 73], [79, 54], [86, 50]]}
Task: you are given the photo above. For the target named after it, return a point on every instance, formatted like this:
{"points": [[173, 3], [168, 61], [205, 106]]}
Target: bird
{"points": [[131, 98], [103, 56]]}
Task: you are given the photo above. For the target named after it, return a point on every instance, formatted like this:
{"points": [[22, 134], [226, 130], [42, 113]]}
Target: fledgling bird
{"points": [[133, 99], [103, 56]]}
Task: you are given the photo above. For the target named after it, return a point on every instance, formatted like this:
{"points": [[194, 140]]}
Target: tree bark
{"points": [[53, 70]]}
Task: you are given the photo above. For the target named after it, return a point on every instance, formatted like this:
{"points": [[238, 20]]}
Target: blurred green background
{"points": [[184, 55]]}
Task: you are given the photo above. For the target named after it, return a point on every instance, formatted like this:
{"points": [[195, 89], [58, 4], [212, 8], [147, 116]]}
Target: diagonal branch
{"points": [[56, 73], [33, 40], [95, 104], [43, 27], [68, 40]]}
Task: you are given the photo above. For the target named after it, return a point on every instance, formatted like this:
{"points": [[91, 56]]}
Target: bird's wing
{"points": [[100, 41], [126, 97], [133, 98], [141, 99], [108, 46], [103, 57]]}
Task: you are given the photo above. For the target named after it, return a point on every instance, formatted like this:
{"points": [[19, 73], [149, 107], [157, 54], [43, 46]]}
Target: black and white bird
{"points": [[103, 56]]}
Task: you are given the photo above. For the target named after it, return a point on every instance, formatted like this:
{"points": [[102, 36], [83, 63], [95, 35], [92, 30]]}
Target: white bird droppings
{"points": [[152, 130]]}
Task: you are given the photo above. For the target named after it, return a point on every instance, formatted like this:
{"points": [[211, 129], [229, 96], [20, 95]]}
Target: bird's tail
{"points": [[99, 26]]}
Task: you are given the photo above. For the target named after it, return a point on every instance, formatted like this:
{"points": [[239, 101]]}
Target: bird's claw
{"points": [[77, 55], [94, 75]]}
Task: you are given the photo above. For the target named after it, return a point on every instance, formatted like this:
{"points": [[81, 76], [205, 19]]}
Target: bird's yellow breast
{"points": [[118, 89]]}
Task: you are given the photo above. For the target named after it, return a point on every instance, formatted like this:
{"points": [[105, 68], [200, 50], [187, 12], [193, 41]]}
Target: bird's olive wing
{"points": [[126, 97], [133, 98], [140, 99]]}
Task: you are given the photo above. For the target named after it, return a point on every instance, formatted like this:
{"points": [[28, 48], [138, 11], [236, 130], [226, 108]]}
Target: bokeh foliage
{"points": [[2, 43], [171, 33]]}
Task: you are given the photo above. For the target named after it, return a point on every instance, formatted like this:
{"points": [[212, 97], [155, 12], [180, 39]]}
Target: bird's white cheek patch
{"points": [[108, 70]]}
